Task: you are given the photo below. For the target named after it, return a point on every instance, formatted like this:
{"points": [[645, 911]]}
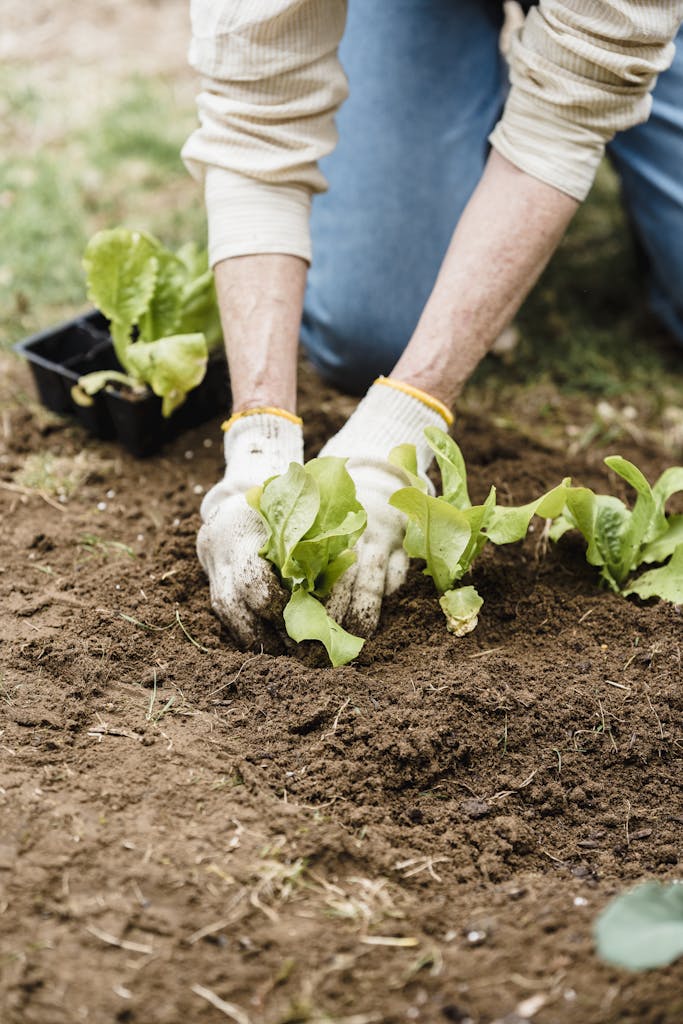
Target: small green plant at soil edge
{"points": [[620, 539], [167, 298], [313, 519], [642, 928], [449, 532]]}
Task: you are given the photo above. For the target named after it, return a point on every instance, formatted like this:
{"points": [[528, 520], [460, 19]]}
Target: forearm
{"points": [[509, 230], [261, 302]]}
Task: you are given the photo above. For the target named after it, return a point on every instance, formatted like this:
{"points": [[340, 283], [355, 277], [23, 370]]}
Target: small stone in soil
{"points": [[474, 808]]}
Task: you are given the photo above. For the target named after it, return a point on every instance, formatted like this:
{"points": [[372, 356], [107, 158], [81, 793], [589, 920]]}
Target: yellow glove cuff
{"points": [[270, 410], [422, 396]]}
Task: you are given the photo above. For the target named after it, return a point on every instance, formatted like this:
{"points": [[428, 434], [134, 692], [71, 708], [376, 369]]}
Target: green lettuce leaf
{"points": [[449, 533], [121, 268], [670, 482], [199, 309], [605, 523], [440, 533], [316, 554], [665, 582], [643, 928], [306, 619], [326, 579], [171, 366], [478, 518], [289, 505], [137, 283], [508, 524], [620, 539], [93, 382], [461, 608], [659, 550], [313, 519], [451, 466], [647, 517], [162, 316], [194, 259], [404, 457]]}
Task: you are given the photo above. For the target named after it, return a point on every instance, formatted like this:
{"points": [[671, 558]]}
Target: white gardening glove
{"points": [[245, 592], [390, 414]]}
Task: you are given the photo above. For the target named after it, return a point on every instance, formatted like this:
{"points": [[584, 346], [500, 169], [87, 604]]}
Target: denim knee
{"points": [[427, 85], [649, 161]]}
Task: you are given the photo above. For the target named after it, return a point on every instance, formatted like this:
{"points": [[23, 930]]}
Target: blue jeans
{"points": [[427, 86]]}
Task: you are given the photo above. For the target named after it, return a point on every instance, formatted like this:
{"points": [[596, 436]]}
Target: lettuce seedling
{"points": [[620, 539], [449, 532], [643, 928], [166, 300], [313, 519]]}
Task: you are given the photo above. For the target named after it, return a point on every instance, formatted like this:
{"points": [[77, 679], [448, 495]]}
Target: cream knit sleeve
{"points": [[271, 84], [581, 70]]}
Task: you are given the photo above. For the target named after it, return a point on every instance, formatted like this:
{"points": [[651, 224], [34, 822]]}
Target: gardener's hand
{"points": [[245, 592], [390, 414]]}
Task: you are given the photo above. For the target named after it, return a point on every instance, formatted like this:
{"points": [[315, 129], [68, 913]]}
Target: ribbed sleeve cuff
{"points": [[552, 149], [248, 217]]}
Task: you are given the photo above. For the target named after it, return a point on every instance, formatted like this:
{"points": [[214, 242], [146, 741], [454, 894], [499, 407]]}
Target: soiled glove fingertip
{"points": [[397, 571], [338, 602], [363, 613], [272, 605]]}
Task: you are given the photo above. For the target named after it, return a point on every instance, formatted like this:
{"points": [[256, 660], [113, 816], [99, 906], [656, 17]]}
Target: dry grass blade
{"points": [[31, 492], [200, 647], [230, 1010], [146, 625], [415, 865], [217, 926], [355, 1018], [336, 719], [232, 681], [484, 654], [99, 731], [403, 941], [510, 792], [111, 940]]}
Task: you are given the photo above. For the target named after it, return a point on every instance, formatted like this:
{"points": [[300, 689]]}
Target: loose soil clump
{"points": [[194, 832]]}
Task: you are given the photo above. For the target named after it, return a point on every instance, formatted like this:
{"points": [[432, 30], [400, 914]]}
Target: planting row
{"points": [[313, 521]]}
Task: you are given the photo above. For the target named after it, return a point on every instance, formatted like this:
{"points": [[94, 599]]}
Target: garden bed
{"points": [[424, 835]]}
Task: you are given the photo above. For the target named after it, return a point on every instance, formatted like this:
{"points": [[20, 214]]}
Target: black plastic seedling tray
{"points": [[60, 355]]}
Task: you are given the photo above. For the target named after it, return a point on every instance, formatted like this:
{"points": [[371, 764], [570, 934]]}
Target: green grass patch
{"points": [[124, 168], [585, 327], [144, 124], [43, 237]]}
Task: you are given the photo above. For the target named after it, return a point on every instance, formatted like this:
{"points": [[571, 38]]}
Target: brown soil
{"points": [[426, 835]]}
